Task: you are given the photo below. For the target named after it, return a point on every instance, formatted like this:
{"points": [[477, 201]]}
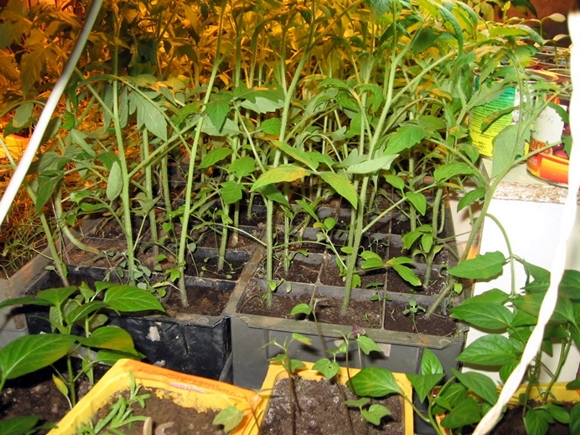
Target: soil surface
{"points": [[362, 313], [512, 424], [320, 411], [168, 418]]}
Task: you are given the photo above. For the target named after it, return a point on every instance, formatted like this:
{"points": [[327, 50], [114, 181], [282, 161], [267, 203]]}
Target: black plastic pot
{"points": [[194, 344]]}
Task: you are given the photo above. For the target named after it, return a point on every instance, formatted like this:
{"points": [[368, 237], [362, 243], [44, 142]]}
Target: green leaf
{"points": [[301, 338], [343, 186], [242, 167], [23, 115], [231, 192], [8, 67], [32, 352], [418, 201], [558, 413], [367, 345], [407, 274], [32, 66], [328, 368], [301, 309], [466, 412], [83, 311], [57, 296], [482, 267], [536, 422], [214, 156], [374, 382], [575, 419], [297, 154], [115, 182], [405, 137], [424, 384], [478, 383], [451, 170], [18, 425], [371, 260], [264, 102], [375, 413], [111, 338], [484, 315], [281, 174], [372, 166], [505, 148], [489, 350], [218, 111], [149, 115], [430, 364], [130, 299], [471, 197], [229, 418], [395, 181], [271, 126]]}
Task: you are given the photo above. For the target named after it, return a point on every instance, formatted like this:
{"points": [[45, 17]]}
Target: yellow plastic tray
{"points": [[188, 391], [276, 372]]}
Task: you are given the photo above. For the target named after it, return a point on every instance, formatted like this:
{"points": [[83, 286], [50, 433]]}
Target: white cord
{"points": [[47, 112], [490, 419]]}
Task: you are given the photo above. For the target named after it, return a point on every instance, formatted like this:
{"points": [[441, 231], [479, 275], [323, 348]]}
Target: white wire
{"points": [[47, 112], [488, 422]]}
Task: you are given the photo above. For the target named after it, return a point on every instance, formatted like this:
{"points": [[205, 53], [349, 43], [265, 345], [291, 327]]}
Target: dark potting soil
{"points": [[361, 313], [512, 423], [168, 418], [207, 301], [320, 411], [36, 394]]}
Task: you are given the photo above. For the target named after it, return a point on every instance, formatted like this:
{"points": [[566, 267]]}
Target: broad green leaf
{"points": [[57, 296], [395, 181], [48, 183], [231, 192], [214, 156], [8, 67], [372, 166], [478, 383], [536, 422], [450, 170], [115, 182], [31, 66], [217, 111], [149, 115], [296, 154], [18, 425], [281, 174], [405, 137], [570, 284], [301, 338], [374, 382], [505, 148], [430, 364], [265, 103], [328, 368], [575, 419], [449, 398], [229, 418], [111, 338], [22, 115], [558, 413], [471, 197], [79, 138], [25, 300], [371, 260], [489, 350], [407, 274], [301, 309], [424, 384], [466, 412], [110, 357], [83, 311], [343, 186], [130, 299], [271, 126], [60, 385], [242, 167], [484, 315], [375, 413], [483, 267], [32, 352], [367, 345], [418, 201]]}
